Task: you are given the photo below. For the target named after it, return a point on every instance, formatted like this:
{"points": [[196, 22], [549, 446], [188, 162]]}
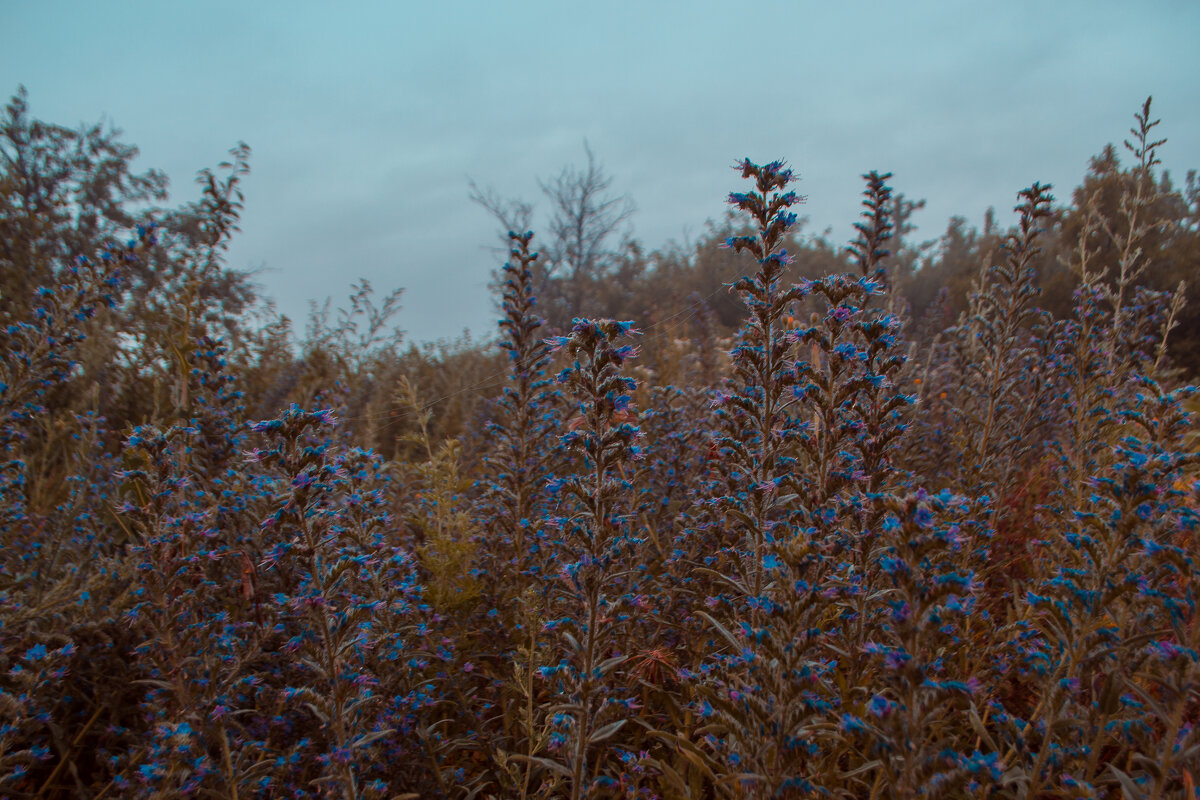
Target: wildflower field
{"points": [[821, 529]]}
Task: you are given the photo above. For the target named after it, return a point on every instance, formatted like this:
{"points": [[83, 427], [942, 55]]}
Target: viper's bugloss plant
{"points": [[760, 428], [335, 566], [769, 684], [921, 681], [597, 550], [525, 413], [833, 430], [522, 455], [1002, 385], [38, 357], [44, 592]]}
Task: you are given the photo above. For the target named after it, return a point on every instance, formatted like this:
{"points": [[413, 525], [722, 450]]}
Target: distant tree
{"points": [[953, 264], [1138, 203], [512, 213], [1124, 215], [579, 255], [63, 192], [905, 255], [1192, 198], [584, 217]]}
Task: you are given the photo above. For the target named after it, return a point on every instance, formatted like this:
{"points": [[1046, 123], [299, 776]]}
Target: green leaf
{"points": [[606, 732], [369, 738], [321, 715], [1128, 785], [553, 766], [721, 629], [608, 664], [980, 728]]}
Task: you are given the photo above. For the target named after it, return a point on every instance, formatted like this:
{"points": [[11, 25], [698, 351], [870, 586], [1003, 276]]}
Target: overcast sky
{"points": [[367, 119]]}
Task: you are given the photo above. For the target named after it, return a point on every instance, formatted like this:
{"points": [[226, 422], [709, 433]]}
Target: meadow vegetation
{"points": [[760, 517]]}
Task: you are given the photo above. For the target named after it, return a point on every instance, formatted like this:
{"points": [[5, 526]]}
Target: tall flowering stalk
{"points": [[913, 726], [523, 431], [877, 417], [333, 612], [45, 585], [38, 356], [597, 548], [1105, 340], [525, 416], [1112, 645], [759, 430], [1128, 236], [786, 446], [173, 536], [849, 481], [768, 682], [1001, 385]]}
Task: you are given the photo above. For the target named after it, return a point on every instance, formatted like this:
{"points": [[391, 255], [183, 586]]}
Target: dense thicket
{"points": [[889, 520]]}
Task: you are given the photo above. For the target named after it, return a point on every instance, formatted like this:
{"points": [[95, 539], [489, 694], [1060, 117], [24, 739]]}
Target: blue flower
{"points": [[853, 724], [880, 706]]}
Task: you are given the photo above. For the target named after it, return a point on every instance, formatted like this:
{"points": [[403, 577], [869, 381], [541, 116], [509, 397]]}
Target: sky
{"points": [[368, 119]]}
